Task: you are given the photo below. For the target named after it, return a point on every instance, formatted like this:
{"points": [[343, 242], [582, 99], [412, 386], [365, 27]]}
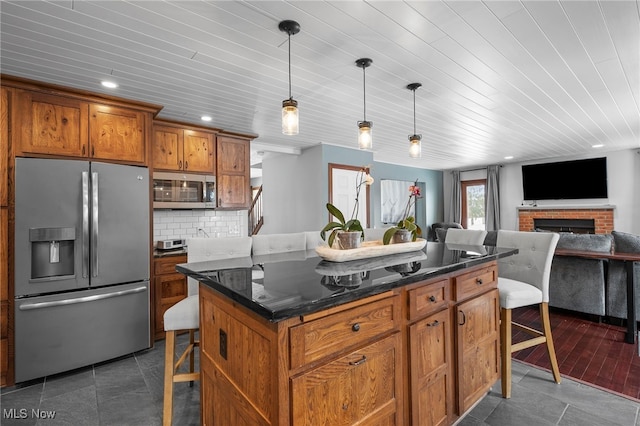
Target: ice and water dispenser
{"points": [[52, 252]]}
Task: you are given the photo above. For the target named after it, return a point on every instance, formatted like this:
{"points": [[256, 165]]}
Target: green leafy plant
{"points": [[342, 225], [408, 222]]}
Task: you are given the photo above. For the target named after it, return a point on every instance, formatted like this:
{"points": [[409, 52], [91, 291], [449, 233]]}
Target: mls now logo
{"points": [[23, 413]]}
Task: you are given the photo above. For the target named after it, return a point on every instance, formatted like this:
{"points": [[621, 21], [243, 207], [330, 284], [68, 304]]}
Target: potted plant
{"points": [[349, 232], [407, 229]]}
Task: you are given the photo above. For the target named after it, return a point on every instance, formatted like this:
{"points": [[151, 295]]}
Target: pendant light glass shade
{"points": [[365, 139], [415, 147], [290, 117], [289, 106], [415, 144]]}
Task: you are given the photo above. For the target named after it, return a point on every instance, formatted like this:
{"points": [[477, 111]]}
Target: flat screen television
{"points": [[565, 180]]}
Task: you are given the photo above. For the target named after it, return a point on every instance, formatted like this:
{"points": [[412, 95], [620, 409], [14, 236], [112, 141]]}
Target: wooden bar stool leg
{"points": [[505, 351], [167, 409], [546, 325], [192, 353]]}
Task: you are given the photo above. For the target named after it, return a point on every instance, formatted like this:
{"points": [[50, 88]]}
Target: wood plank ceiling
{"points": [[527, 79]]}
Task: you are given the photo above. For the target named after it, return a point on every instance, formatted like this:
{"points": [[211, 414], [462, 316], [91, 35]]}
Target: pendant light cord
{"points": [[364, 92], [414, 112], [289, 32]]}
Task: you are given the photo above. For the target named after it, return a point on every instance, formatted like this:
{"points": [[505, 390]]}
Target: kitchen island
{"points": [[291, 339]]}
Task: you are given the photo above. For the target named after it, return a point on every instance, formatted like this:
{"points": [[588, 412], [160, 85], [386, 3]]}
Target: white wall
{"points": [[623, 179], [292, 192]]}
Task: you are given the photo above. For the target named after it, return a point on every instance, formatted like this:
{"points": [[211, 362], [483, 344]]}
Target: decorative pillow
{"points": [[601, 243], [626, 243], [441, 234], [491, 238]]}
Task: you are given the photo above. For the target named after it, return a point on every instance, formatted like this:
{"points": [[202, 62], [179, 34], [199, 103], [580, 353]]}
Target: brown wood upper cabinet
{"points": [[180, 149], [233, 174], [116, 133], [74, 127]]}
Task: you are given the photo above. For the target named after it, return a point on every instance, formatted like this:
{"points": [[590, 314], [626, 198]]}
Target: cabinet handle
{"points": [[432, 298], [83, 150], [93, 151], [358, 362], [186, 165], [434, 324], [355, 327], [479, 281], [464, 318], [180, 164]]}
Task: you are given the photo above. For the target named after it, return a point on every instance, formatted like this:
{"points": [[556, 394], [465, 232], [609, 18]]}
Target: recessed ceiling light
{"points": [[206, 118], [109, 84], [509, 157], [599, 145]]}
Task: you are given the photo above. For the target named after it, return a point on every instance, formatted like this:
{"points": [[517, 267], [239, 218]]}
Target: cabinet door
{"points": [[167, 148], [199, 151], [232, 174], [431, 377], [117, 134], [51, 124], [169, 290], [4, 144], [360, 388], [478, 355]]}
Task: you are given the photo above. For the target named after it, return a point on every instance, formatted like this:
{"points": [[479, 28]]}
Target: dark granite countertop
{"points": [[284, 285]]}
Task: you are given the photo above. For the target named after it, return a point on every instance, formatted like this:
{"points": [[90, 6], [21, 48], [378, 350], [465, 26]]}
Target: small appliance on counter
{"points": [[171, 244]]}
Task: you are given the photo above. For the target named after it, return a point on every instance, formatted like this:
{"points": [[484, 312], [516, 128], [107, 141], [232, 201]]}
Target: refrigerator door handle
{"points": [[85, 224], [94, 224], [42, 305]]}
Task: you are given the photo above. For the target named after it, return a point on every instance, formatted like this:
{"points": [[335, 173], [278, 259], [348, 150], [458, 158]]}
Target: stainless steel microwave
{"points": [[174, 190]]}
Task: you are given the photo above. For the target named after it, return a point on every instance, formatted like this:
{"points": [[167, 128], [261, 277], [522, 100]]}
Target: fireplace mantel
{"points": [[602, 214], [569, 207]]}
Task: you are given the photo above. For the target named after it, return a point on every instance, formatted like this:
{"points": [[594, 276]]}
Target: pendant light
{"points": [[415, 148], [289, 106], [365, 140]]}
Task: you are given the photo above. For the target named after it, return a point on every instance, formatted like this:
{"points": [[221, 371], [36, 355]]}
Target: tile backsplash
{"points": [[175, 224]]}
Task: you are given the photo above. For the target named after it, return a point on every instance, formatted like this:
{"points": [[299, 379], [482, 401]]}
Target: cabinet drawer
{"points": [[167, 265], [476, 282], [428, 299], [342, 331]]}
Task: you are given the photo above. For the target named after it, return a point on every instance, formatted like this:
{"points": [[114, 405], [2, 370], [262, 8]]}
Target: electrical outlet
{"points": [[223, 344]]}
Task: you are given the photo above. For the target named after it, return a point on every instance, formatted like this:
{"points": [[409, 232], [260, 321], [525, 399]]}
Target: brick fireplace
{"points": [[602, 216]]}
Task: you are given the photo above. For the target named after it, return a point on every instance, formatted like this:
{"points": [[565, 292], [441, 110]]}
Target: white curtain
{"points": [[455, 212], [492, 199]]}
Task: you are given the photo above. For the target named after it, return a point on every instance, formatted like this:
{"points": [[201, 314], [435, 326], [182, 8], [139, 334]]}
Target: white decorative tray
{"points": [[368, 249]]}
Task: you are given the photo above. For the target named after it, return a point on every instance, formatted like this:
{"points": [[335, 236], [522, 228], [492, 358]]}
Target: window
{"points": [[473, 204]]}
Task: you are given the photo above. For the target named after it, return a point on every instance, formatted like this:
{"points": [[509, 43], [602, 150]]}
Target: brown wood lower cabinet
{"points": [[422, 354], [170, 287]]}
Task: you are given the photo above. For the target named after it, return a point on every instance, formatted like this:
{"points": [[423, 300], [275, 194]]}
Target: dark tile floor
{"points": [[128, 391]]}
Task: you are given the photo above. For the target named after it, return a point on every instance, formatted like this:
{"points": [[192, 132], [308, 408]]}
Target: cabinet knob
{"points": [[432, 298], [355, 327], [479, 281]]}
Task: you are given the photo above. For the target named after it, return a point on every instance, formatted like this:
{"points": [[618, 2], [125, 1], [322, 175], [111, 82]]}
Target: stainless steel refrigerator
{"points": [[81, 264]]}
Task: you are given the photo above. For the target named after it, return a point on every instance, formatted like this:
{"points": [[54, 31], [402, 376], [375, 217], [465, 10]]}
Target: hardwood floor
{"points": [[587, 351]]}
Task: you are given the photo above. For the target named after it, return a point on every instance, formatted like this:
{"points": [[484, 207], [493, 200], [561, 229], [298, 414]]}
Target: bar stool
{"points": [[523, 280], [185, 315]]}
